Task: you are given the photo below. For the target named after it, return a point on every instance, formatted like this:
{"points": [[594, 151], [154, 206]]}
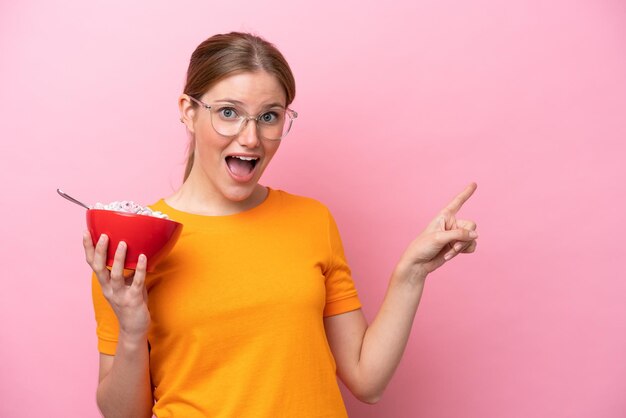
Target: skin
{"points": [[210, 190], [366, 354]]}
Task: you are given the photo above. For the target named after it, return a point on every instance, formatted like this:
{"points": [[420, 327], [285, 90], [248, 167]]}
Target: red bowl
{"points": [[148, 235]]}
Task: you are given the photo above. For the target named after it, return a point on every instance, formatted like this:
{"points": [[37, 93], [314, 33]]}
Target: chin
{"points": [[239, 193]]}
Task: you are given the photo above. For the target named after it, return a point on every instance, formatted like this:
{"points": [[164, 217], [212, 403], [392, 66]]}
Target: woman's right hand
{"points": [[126, 294]]}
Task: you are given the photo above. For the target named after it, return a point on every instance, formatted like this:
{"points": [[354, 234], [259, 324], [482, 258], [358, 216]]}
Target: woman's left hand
{"points": [[444, 238]]}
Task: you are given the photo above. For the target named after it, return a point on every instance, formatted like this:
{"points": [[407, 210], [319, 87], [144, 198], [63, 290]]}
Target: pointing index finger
{"points": [[461, 198]]}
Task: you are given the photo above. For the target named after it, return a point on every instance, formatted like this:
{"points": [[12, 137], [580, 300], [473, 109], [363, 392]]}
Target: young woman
{"points": [[254, 313]]}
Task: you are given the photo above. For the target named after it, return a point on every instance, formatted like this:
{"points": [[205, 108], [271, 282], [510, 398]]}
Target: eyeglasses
{"points": [[229, 120]]}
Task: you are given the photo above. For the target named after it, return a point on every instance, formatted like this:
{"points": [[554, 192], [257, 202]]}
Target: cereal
{"points": [[128, 206]]}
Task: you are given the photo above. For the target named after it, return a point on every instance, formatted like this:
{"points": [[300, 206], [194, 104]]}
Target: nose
{"points": [[249, 135]]}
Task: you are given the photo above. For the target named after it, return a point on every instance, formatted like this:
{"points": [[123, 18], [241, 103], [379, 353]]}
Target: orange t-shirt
{"points": [[237, 313]]}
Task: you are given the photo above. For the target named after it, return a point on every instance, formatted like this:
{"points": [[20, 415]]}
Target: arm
{"points": [[367, 356], [124, 382], [124, 387]]}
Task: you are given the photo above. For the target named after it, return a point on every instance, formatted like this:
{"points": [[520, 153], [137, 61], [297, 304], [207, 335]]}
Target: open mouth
{"points": [[241, 166]]}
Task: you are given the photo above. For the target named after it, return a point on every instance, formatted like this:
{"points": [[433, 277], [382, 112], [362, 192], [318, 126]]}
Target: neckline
{"points": [[175, 213]]}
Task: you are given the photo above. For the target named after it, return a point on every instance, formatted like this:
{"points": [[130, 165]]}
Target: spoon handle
{"points": [[71, 199]]}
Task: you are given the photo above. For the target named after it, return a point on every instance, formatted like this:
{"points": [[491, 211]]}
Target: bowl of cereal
{"points": [[143, 230]]}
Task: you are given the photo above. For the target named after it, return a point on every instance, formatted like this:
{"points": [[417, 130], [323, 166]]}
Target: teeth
{"points": [[245, 158]]}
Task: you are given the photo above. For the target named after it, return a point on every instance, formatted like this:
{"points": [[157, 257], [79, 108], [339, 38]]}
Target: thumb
{"points": [[437, 224], [446, 237]]}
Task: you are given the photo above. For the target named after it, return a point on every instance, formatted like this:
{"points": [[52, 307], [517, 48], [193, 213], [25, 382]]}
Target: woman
{"points": [[254, 313]]}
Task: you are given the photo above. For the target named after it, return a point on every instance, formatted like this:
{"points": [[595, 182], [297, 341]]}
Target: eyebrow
{"points": [[240, 103]]}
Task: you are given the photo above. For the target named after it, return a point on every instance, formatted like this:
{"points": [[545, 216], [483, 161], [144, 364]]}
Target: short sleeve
{"points": [[341, 294], [107, 327]]}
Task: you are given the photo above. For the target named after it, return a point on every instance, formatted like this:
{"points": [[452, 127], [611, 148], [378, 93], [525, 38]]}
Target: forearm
{"points": [[368, 355], [386, 337], [126, 390]]}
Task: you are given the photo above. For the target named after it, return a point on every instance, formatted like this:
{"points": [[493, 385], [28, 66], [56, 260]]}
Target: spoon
{"points": [[71, 199]]}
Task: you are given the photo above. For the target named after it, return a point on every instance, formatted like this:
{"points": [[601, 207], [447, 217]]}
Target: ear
{"points": [[187, 112]]}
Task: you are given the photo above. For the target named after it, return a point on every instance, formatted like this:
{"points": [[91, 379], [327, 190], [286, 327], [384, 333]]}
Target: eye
{"points": [[228, 113], [269, 117]]}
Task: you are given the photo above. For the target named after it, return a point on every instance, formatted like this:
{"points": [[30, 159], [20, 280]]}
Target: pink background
{"points": [[402, 104]]}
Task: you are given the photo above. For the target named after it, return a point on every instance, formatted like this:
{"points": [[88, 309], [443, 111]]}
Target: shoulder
{"points": [[300, 204], [158, 205]]}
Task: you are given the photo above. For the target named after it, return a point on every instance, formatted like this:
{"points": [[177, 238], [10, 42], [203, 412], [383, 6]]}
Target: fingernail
{"points": [[122, 245], [102, 238], [447, 257], [458, 246], [473, 234], [142, 258]]}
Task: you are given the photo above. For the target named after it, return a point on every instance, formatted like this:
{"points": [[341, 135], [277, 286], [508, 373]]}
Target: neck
{"points": [[195, 196]]}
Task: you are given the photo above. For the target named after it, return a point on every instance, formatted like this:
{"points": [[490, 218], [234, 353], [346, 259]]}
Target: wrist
{"points": [[410, 272], [132, 340]]}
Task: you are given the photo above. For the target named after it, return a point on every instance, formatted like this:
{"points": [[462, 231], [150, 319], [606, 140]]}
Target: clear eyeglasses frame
{"points": [[231, 125]]}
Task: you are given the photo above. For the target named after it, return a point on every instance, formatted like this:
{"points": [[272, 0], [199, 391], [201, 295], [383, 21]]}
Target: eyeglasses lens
{"points": [[273, 124]]}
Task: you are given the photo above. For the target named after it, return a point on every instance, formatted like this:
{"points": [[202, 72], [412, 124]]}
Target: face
{"points": [[229, 168]]}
